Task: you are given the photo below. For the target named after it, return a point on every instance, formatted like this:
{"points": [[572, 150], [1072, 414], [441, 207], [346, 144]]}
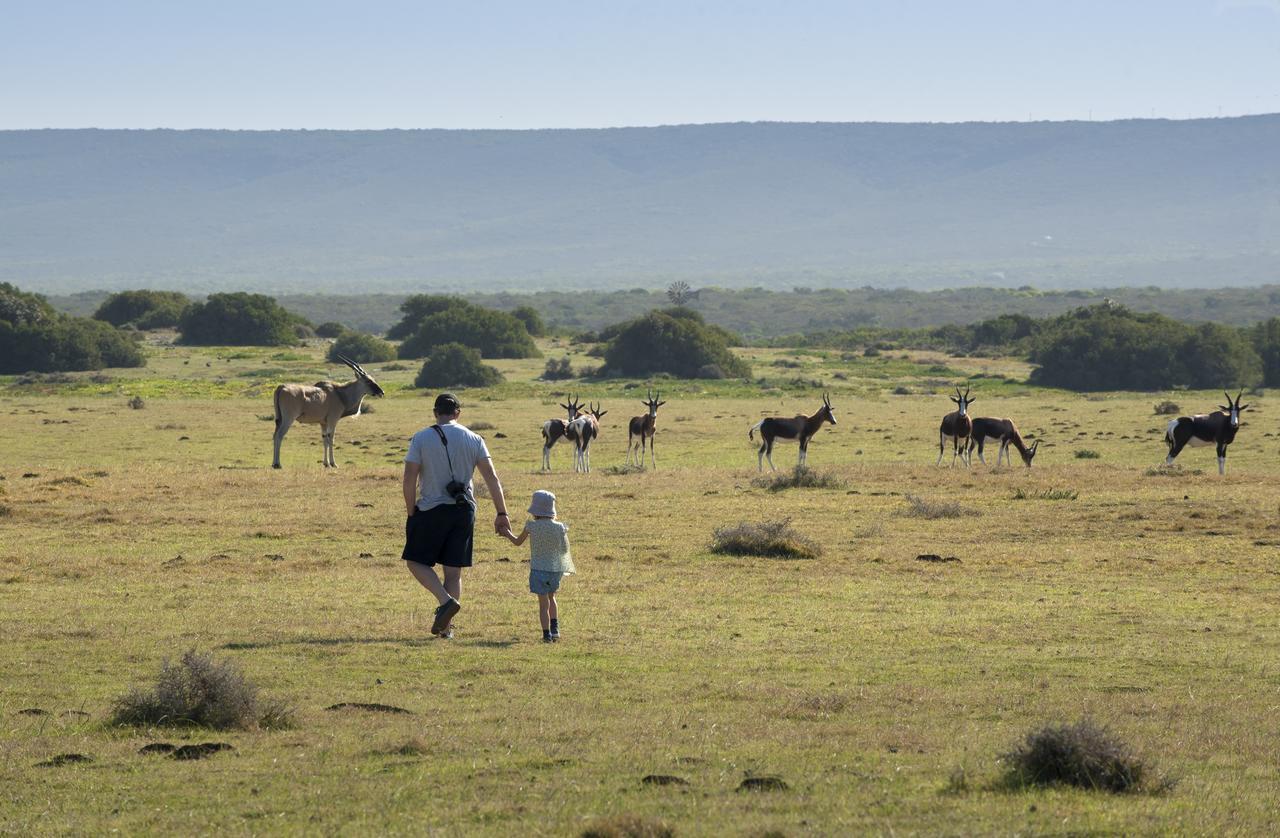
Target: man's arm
{"points": [[501, 523], [411, 472]]}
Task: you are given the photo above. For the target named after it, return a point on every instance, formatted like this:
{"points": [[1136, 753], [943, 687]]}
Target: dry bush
{"points": [[481, 426], [767, 538], [137, 403], [918, 507], [1045, 494], [1167, 408], [801, 477], [1175, 470], [628, 826], [199, 690], [1083, 754]]}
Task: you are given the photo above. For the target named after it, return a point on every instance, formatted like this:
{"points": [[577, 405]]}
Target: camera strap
{"points": [[440, 432]]}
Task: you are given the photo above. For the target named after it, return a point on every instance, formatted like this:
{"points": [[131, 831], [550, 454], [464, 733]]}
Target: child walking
{"points": [[549, 559]]}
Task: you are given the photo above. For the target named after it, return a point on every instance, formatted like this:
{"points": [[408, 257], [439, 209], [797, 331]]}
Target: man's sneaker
{"points": [[444, 614], [447, 634]]}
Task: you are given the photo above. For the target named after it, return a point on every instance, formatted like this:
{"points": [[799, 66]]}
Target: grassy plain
{"points": [[864, 678]]}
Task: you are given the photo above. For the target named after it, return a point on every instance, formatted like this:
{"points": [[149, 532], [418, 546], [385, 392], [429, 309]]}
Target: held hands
{"points": [[502, 526]]}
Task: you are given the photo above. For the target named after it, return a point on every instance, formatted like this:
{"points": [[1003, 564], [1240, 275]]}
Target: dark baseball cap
{"points": [[447, 403]]}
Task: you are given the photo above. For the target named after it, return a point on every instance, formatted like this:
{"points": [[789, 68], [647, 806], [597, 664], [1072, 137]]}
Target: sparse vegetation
{"points": [[918, 507], [1086, 454], [200, 691], [801, 477], [766, 538], [1082, 754], [628, 826], [1045, 494]]}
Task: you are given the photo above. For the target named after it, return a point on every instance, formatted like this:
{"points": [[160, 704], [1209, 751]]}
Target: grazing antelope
{"points": [[797, 427], [1214, 429], [323, 404], [1003, 431], [554, 429], [644, 427], [958, 427], [582, 431]]}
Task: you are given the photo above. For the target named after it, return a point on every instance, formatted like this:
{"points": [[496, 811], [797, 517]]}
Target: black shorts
{"points": [[440, 535]]}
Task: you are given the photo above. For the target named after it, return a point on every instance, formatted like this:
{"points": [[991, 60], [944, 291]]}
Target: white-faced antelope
{"points": [[553, 430], [797, 427], [323, 404], [1004, 432], [582, 431], [1218, 428], [958, 427], [644, 428]]}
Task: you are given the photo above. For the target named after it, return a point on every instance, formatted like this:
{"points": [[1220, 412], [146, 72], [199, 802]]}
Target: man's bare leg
{"points": [[453, 582], [426, 575]]}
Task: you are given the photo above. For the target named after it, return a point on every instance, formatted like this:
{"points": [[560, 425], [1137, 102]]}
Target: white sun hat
{"points": [[544, 504]]}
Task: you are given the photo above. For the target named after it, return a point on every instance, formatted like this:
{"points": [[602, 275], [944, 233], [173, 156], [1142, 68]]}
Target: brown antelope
{"points": [[1218, 428], [554, 429], [582, 431], [644, 427], [323, 404], [958, 427], [797, 427], [1004, 432]]}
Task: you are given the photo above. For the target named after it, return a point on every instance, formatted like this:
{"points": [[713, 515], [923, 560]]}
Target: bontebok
{"points": [[958, 427], [1217, 428], [555, 429], [644, 427], [1004, 432], [322, 404], [797, 427], [581, 432]]}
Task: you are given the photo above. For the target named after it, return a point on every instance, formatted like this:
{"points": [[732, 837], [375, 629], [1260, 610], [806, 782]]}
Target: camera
{"points": [[457, 491]]}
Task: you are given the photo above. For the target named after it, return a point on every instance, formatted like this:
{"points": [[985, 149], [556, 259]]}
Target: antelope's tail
{"points": [[1168, 431], [751, 434]]}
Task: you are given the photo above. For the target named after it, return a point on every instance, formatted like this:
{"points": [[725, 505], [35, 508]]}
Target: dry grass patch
{"points": [[918, 507], [628, 826], [801, 477], [200, 691], [1045, 494], [766, 538]]}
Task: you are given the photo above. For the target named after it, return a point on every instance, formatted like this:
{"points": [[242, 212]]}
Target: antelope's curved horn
{"points": [[358, 369], [1238, 395]]}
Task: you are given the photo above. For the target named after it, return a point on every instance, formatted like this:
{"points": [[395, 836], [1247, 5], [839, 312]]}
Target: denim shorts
{"points": [[544, 581]]}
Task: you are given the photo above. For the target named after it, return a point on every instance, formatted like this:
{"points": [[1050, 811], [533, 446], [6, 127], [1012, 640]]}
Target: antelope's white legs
{"points": [[1222, 465]]}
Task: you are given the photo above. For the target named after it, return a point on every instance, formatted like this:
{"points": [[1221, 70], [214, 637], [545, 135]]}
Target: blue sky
{"points": [[548, 63]]}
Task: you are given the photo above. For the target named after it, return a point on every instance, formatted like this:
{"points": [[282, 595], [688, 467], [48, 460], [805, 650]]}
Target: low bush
{"points": [[1083, 754], [201, 691], [330, 329], [918, 507], [137, 403], [361, 348], [767, 538], [1167, 408], [801, 477], [455, 365], [1087, 454], [558, 369]]}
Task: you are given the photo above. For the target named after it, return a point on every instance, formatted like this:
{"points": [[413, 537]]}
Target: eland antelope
{"points": [[1217, 428], [554, 429], [1004, 432], [958, 427], [323, 404], [644, 427], [797, 427], [581, 432]]}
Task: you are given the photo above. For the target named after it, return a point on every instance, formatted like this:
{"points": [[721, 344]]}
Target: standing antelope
{"points": [[798, 427], [644, 427], [1214, 429], [323, 405], [1003, 431], [582, 430], [957, 426], [554, 429]]}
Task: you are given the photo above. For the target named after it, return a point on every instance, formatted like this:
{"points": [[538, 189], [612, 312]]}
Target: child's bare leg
{"points": [[551, 608], [545, 608]]}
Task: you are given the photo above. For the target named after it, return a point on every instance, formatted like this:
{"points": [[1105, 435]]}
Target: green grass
{"points": [[868, 681]]}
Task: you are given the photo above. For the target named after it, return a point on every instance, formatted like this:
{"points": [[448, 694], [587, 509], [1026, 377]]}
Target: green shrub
{"points": [[330, 329], [558, 369], [144, 309], [62, 343], [455, 365], [801, 477], [532, 320], [1087, 454], [22, 308], [238, 319], [675, 341], [429, 320], [361, 348], [199, 690]]}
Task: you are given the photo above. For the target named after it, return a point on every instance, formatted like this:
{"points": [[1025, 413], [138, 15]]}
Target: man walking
{"points": [[441, 507]]}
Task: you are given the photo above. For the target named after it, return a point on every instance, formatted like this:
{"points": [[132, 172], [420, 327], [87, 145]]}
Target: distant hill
{"points": [[1066, 205]]}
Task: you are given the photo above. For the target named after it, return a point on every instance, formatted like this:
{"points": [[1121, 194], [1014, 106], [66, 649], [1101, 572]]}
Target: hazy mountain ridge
{"points": [[1068, 204]]}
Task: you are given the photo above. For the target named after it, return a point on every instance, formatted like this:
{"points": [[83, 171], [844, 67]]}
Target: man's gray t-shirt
{"points": [[465, 450]]}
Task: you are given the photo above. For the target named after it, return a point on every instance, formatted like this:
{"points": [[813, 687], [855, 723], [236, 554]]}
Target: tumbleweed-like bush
{"points": [[200, 691], [1083, 754], [767, 538]]}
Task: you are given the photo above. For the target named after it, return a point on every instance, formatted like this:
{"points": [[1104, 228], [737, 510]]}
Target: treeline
{"points": [[759, 314], [1099, 347]]}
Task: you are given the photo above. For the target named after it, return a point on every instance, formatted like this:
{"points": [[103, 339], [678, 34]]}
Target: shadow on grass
{"points": [[362, 641]]}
